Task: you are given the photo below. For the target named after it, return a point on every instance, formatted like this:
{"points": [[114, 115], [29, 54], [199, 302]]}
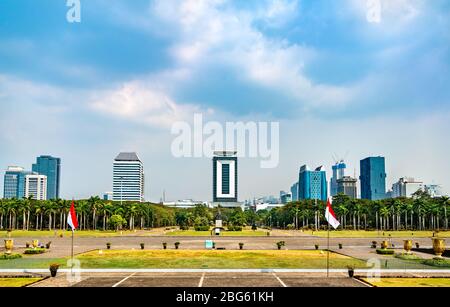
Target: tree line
{"points": [[421, 212]]}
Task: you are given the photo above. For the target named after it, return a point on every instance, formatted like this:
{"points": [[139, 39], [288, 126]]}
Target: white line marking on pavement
{"points": [[201, 280], [123, 280], [278, 278]]}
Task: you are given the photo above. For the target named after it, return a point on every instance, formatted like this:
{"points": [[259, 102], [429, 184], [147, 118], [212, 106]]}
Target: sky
{"points": [[339, 81]]}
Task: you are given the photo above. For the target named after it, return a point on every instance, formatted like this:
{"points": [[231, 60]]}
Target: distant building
{"points": [[108, 196], [373, 178], [434, 190], [128, 178], [185, 204], [225, 179], [14, 183], [406, 187], [36, 187], [347, 185], [285, 197], [338, 173], [51, 167], [312, 184], [294, 192], [267, 207]]}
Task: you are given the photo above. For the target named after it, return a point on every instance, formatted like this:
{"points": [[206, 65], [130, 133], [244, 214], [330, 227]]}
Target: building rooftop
{"points": [[127, 156], [225, 153]]}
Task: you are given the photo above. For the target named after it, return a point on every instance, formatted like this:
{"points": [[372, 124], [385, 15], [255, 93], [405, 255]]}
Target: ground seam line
{"points": [[279, 279], [123, 280], [201, 280]]}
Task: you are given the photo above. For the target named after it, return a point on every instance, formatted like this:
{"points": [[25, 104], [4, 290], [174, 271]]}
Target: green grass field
{"points": [[211, 259], [17, 282], [193, 233], [410, 282], [377, 234], [67, 234]]}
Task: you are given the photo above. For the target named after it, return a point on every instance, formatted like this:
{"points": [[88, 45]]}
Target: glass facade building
{"points": [[225, 177], [312, 184], [50, 167], [14, 183], [373, 178], [338, 173]]}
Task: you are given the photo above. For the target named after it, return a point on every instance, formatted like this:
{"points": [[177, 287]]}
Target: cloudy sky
{"points": [[336, 81]]}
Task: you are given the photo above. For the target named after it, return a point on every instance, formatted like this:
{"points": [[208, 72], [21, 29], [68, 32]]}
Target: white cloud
{"points": [[137, 101]]}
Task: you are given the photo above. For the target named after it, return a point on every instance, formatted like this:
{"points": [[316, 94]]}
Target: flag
{"points": [[330, 216], [72, 218]]}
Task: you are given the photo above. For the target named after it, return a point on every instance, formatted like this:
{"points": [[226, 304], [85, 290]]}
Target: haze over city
{"points": [[338, 84]]}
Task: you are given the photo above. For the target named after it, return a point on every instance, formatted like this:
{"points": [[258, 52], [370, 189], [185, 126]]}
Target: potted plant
{"points": [[438, 247], [214, 245], [164, 245], [340, 245], [374, 244], [47, 246], [142, 246], [417, 245], [35, 243], [316, 246], [351, 271], [9, 245], [241, 246], [384, 244], [177, 245], [108, 245], [408, 246], [54, 269], [280, 244], [27, 245]]}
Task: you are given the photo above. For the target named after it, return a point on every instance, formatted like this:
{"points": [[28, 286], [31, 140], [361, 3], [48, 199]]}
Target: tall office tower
{"points": [[14, 183], [312, 184], [128, 178], [285, 197], [225, 179], [347, 186], [406, 187], [338, 173], [294, 192], [50, 167], [373, 178], [36, 186]]}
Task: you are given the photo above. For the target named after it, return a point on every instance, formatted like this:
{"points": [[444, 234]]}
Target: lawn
{"points": [[52, 234], [212, 259], [377, 234], [193, 233], [17, 282], [410, 282]]}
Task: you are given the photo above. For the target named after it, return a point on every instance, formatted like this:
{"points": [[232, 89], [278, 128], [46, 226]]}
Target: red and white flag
{"points": [[330, 216], [72, 217]]}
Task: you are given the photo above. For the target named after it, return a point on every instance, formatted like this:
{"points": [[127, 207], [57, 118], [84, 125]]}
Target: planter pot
{"points": [[351, 273], [317, 247], [279, 247], [142, 246], [53, 272], [340, 246], [9, 245], [35, 243], [165, 246], [439, 247], [417, 245], [408, 246], [384, 244], [108, 246]]}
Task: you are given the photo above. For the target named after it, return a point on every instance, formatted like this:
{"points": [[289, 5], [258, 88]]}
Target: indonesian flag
{"points": [[72, 217], [330, 216]]}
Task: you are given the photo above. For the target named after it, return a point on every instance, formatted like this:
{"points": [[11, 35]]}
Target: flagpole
{"points": [[328, 252], [71, 267]]}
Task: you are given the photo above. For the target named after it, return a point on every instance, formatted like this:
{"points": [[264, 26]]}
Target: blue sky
{"points": [[336, 82]]}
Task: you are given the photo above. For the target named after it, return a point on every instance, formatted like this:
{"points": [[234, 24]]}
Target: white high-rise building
{"points": [[36, 187], [128, 178], [406, 187]]}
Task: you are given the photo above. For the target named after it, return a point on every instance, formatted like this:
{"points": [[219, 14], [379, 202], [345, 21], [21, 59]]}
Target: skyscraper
{"points": [[347, 186], [338, 173], [128, 178], [14, 183], [225, 178], [406, 187], [373, 178], [294, 192], [312, 184], [50, 167], [36, 186]]}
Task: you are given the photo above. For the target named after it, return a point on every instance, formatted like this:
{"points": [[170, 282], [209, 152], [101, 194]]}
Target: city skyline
{"points": [[335, 81]]}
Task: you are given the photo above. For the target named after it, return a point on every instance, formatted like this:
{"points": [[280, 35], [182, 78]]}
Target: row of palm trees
{"points": [[92, 214], [421, 212]]}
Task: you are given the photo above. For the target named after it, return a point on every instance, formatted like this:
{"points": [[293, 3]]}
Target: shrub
{"points": [[374, 244], [142, 246], [164, 245], [234, 228], [254, 227], [34, 251], [201, 228], [438, 262], [241, 245], [407, 256], [184, 227], [381, 251], [177, 245], [10, 256], [316, 246], [108, 245], [281, 244]]}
